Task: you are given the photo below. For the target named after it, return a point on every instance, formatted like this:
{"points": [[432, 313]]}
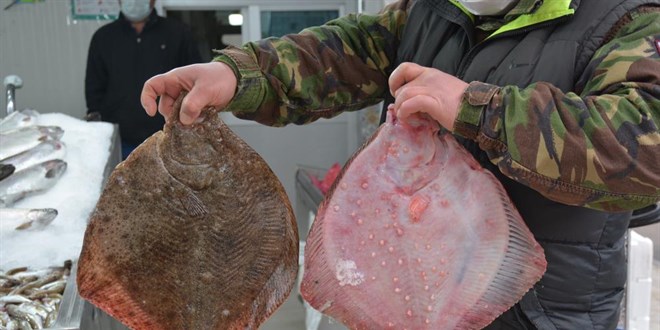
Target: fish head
{"points": [[192, 153], [412, 148], [54, 132], [54, 168]]}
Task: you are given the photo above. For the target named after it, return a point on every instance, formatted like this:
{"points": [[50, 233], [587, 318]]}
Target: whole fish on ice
{"points": [[46, 150], [20, 219], [18, 119], [192, 231], [31, 180], [416, 234], [21, 139]]}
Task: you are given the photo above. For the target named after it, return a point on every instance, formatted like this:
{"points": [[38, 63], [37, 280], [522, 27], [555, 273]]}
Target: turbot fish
{"points": [[47, 150], [31, 180], [192, 231], [415, 234], [20, 219], [21, 139], [19, 119]]}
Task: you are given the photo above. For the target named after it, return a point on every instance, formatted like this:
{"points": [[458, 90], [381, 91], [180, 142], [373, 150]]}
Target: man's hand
{"points": [[208, 84], [421, 89]]}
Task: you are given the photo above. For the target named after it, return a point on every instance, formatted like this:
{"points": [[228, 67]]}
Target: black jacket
{"points": [[120, 61], [585, 249]]}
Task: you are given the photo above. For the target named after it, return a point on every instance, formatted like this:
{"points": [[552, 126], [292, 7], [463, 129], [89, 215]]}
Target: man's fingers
{"points": [[162, 84], [404, 73], [418, 103], [165, 105], [192, 105]]}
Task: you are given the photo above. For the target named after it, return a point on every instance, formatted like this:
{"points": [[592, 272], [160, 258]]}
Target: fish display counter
{"points": [[53, 168]]}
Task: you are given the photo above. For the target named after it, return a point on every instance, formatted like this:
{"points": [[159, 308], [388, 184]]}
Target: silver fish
{"points": [[27, 218], [21, 139], [19, 119], [13, 299], [17, 312], [31, 180], [6, 170], [12, 325], [46, 150]]}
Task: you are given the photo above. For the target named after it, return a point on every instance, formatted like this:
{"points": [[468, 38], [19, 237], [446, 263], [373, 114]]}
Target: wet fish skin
{"points": [[46, 150], [6, 170], [27, 218], [415, 218], [192, 231], [21, 139], [18, 119], [34, 179]]}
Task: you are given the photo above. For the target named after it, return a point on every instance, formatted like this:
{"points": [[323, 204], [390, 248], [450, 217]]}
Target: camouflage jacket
{"points": [[344, 66]]}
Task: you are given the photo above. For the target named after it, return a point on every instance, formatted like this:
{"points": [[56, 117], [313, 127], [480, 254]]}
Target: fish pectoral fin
{"points": [[192, 204]]}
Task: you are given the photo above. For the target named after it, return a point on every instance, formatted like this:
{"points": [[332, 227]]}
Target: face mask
{"points": [[135, 10], [488, 7]]}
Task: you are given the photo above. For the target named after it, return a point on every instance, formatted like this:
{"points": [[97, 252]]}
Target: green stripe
{"points": [[548, 11], [463, 9]]}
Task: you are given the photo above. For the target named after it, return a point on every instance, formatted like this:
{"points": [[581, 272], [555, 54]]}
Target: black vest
{"points": [[585, 249]]}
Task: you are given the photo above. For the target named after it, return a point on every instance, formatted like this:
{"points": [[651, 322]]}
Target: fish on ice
{"points": [[31, 180]]}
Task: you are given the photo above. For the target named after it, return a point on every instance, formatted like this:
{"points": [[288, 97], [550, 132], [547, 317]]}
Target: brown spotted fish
{"points": [[192, 231], [414, 234]]}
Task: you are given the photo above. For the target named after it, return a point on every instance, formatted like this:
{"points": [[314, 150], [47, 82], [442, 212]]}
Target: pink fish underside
{"points": [[416, 235]]}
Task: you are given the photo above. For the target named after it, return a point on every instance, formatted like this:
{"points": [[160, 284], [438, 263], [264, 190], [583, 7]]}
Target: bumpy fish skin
{"points": [[193, 231], [34, 179], [415, 234]]}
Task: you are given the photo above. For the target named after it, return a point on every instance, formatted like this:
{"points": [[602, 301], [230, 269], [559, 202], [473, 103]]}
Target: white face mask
{"points": [[488, 7], [135, 10]]}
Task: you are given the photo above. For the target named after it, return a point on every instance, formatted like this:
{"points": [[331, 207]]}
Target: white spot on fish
{"points": [[409, 313], [395, 279], [407, 298], [400, 261], [336, 208], [382, 242], [383, 263], [358, 202], [346, 273], [360, 221], [225, 312], [428, 246], [427, 321], [391, 249], [344, 186], [371, 236], [365, 185], [429, 308], [397, 290], [373, 254]]}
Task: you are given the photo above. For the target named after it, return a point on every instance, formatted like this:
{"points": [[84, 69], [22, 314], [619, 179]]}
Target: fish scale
{"points": [[414, 218]]}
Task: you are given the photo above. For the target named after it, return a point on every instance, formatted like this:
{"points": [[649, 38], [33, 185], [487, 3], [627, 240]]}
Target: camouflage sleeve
{"points": [[342, 65], [599, 148]]}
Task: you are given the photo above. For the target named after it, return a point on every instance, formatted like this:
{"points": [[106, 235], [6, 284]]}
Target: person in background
{"points": [[560, 99], [122, 56]]}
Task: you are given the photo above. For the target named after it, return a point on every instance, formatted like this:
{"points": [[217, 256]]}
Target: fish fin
{"points": [[516, 274], [24, 225], [192, 204]]}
